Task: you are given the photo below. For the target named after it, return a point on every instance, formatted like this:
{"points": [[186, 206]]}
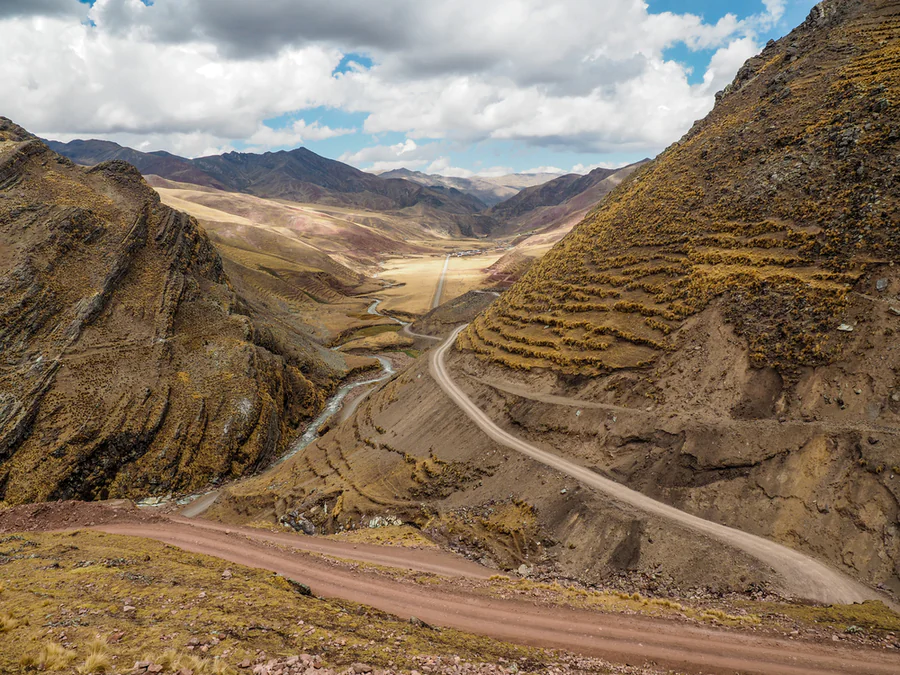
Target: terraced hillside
{"points": [[130, 364], [775, 206], [719, 335]]}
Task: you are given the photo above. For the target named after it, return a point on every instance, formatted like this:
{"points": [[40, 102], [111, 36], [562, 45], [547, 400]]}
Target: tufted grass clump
{"points": [[52, 656], [181, 597]]}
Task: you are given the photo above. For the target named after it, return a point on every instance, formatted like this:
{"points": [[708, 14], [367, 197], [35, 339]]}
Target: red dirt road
{"points": [[624, 639]]}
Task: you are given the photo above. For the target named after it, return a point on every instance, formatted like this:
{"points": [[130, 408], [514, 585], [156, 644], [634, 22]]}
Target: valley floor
{"points": [[430, 281]]}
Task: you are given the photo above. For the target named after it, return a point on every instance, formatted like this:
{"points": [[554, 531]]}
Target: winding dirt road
{"points": [[626, 639], [800, 575]]}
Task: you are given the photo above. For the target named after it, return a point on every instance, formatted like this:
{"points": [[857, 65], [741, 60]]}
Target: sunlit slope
{"points": [[776, 204]]}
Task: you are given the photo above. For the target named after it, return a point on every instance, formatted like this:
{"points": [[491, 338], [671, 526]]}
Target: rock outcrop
{"points": [[129, 365]]}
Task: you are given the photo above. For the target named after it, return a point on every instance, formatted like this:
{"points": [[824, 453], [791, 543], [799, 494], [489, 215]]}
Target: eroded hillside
{"points": [[130, 365], [720, 335]]}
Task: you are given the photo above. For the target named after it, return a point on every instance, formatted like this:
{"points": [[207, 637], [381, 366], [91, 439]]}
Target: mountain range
{"points": [[301, 176], [462, 206], [560, 202], [491, 190]]}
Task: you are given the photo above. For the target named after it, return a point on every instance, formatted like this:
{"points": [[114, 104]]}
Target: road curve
{"points": [[616, 637], [800, 575], [406, 330]]}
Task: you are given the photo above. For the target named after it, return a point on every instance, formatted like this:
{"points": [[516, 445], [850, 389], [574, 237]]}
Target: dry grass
{"points": [[180, 597], [612, 601], [420, 278], [761, 207], [96, 662], [7, 622], [53, 656]]}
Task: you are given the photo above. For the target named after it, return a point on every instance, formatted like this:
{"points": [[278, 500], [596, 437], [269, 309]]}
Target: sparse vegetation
{"points": [[68, 582], [52, 656], [871, 616], [7, 622], [760, 207]]}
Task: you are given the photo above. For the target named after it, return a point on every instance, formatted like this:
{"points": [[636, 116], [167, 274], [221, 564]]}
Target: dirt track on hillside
{"points": [[798, 574], [628, 639]]}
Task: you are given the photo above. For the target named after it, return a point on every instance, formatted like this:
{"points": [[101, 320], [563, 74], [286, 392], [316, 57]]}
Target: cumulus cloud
{"points": [[299, 132], [587, 168], [726, 62], [774, 10], [546, 169], [407, 149], [9, 8], [192, 75]]}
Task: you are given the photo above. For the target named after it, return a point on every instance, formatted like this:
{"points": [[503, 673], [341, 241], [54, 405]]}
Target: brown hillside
{"points": [[777, 203], [559, 204], [642, 347], [130, 366]]}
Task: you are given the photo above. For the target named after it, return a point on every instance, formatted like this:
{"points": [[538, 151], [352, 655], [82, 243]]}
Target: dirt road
{"points": [[627, 639], [439, 291], [800, 575]]}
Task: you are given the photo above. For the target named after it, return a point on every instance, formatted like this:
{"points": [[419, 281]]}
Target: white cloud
{"points": [[458, 172], [192, 76], [266, 137], [726, 62], [406, 151], [774, 10], [587, 168], [380, 166], [546, 169]]}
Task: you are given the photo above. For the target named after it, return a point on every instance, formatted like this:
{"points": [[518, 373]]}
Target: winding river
{"points": [[334, 403], [331, 407], [199, 503]]}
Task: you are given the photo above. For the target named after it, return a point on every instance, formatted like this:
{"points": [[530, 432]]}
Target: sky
{"points": [[455, 87]]}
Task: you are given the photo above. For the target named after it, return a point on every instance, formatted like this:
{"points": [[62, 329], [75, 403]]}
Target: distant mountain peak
{"points": [[297, 175]]}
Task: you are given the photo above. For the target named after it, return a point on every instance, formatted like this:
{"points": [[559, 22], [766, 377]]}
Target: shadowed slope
{"points": [[129, 363]]}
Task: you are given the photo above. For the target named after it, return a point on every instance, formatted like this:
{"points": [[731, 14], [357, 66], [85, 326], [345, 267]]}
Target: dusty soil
{"points": [[461, 309], [625, 639], [800, 575], [89, 601], [51, 516]]}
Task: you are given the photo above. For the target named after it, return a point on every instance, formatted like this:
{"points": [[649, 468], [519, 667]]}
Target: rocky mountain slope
{"points": [[489, 189], [720, 335], [301, 176], [130, 365], [559, 202], [745, 281], [161, 163]]}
